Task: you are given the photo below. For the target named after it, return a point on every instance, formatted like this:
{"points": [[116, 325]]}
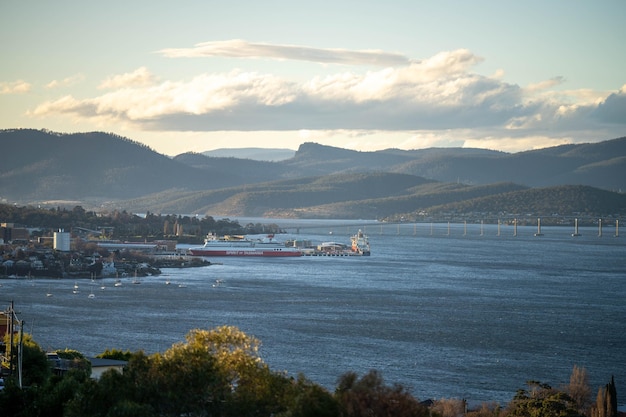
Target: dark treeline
{"points": [[220, 373], [127, 226]]}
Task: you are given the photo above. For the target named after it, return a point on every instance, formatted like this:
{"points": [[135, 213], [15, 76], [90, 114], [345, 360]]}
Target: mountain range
{"points": [[106, 171]]}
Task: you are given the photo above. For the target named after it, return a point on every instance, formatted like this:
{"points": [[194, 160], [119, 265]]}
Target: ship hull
{"points": [[277, 253]]}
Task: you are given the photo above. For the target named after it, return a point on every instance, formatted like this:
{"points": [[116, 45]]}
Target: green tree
{"points": [[52, 398], [306, 399], [116, 354], [541, 400], [252, 388], [35, 368], [132, 393]]}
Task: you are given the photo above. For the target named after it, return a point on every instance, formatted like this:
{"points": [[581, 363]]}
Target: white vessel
{"points": [[243, 246]]}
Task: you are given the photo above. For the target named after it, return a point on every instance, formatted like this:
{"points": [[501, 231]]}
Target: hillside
{"points": [[570, 200], [410, 198], [41, 165], [106, 171], [598, 165]]}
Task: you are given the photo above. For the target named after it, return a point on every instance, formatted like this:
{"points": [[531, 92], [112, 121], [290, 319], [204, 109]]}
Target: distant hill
{"points": [[598, 165], [101, 170], [560, 201]]}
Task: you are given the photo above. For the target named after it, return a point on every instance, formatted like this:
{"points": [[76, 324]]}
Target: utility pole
{"points": [[15, 358]]}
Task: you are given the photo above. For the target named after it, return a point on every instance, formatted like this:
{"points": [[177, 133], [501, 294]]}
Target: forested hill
{"points": [[105, 170], [599, 165], [42, 165]]}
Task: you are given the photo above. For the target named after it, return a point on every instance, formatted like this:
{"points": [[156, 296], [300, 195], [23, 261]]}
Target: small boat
{"points": [[75, 290], [118, 283]]}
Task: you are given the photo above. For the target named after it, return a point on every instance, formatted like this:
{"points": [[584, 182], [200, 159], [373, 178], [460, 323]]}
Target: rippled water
{"points": [[461, 315]]}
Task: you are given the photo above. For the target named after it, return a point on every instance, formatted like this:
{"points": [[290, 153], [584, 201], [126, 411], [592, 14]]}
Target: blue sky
{"points": [[201, 75]]}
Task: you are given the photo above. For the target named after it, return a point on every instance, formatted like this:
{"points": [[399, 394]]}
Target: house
{"points": [[100, 366]]}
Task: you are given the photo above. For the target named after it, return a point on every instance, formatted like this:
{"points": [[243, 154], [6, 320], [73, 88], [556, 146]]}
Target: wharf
{"points": [[327, 253]]}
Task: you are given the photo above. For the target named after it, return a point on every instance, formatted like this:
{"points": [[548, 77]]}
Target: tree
{"points": [[449, 407], [35, 368], [369, 396], [214, 373], [606, 401], [116, 354], [579, 389], [252, 388], [486, 410], [541, 400], [77, 360], [306, 399]]}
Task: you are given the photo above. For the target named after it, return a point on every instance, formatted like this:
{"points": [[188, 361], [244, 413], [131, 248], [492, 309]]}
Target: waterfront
{"points": [[462, 315]]}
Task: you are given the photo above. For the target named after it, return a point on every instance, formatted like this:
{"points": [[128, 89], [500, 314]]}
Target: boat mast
{"points": [[575, 228], [538, 227]]}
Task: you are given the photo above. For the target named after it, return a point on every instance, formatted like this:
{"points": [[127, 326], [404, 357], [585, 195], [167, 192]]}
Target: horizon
{"points": [[358, 76], [252, 148]]}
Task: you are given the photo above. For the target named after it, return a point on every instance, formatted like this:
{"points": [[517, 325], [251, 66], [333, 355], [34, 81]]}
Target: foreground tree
{"points": [[449, 407], [43, 394], [541, 400], [606, 401], [35, 368], [579, 389], [214, 373], [369, 396], [485, 410]]}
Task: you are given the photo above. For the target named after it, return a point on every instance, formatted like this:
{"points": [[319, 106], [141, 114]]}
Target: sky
{"points": [[364, 75]]}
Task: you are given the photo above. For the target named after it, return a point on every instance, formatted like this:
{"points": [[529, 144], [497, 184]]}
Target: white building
{"points": [[61, 241]]}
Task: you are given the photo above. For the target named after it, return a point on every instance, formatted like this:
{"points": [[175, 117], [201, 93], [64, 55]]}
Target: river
{"points": [[466, 312]]}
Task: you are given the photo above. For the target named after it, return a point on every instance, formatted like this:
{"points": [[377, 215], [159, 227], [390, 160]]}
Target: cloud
{"points": [[613, 109], [15, 87], [74, 79], [138, 78], [238, 48], [433, 97], [546, 84], [514, 144]]}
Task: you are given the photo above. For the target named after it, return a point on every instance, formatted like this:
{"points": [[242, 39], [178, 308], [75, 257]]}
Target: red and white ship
{"points": [[243, 246]]}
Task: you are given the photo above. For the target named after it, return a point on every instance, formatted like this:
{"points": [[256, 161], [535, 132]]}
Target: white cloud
{"points": [[238, 48], [15, 87], [74, 79], [516, 144], [432, 101], [546, 84], [138, 78]]}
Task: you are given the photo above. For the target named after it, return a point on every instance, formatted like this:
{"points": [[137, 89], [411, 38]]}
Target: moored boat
{"points": [[243, 246], [360, 243]]}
